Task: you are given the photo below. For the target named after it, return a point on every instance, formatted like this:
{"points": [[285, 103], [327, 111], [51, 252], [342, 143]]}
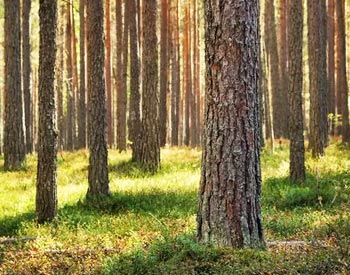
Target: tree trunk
{"points": [[98, 167], [229, 198], [175, 77], [134, 103], [75, 84], [14, 148], [26, 72], [148, 149], [331, 65], [278, 105], [122, 92], [82, 86], [187, 74], [341, 81], [69, 77], [193, 28], [316, 141], [108, 68], [163, 72], [295, 72], [283, 62], [46, 196]]}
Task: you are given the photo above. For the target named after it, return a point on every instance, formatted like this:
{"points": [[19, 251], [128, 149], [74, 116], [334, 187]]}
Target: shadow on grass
{"points": [[317, 191], [159, 204], [9, 226], [129, 169]]}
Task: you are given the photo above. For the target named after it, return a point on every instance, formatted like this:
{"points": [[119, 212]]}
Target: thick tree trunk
{"points": [[341, 82], [14, 148], [229, 197], [163, 72], [316, 140], [98, 167], [331, 64], [295, 72], [134, 103], [148, 149], [26, 72], [82, 76], [46, 196]]}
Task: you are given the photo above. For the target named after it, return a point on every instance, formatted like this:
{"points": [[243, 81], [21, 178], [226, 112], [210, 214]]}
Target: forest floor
{"points": [[148, 224]]}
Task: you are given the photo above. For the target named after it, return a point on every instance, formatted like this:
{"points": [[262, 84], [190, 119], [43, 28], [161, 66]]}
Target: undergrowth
{"points": [[147, 225]]}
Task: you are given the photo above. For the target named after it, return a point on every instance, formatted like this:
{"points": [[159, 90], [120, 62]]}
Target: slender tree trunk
{"points": [[98, 166], [69, 77], [187, 74], [108, 68], [60, 79], [26, 72], [341, 82], [193, 32], [14, 148], [82, 86], [134, 103], [295, 72], [75, 85], [148, 149], [316, 141], [121, 78], [163, 71], [175, 84], [331, 64], [46, 196], [283, 62], [229, 197], [278, 105]]}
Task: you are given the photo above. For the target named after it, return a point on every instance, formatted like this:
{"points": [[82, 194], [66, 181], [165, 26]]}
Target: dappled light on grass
{"points": [[150, 220]]}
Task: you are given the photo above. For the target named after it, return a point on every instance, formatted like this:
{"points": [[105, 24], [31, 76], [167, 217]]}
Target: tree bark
{"points": [[331, 64], [295, 72], [187, 75], [163, 72], [98, 167], [283, 66], [175, 77], [108, 68], [14, 148], [341, 81], [69, 78], [229, 197], [316, 141], [148, 149], [278, 104], [122, 92], [46, 196], [134, 103], [26, 73], [82, 86]]}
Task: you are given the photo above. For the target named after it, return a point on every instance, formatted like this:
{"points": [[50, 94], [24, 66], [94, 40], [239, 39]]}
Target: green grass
{"points": [[150, 220]]}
